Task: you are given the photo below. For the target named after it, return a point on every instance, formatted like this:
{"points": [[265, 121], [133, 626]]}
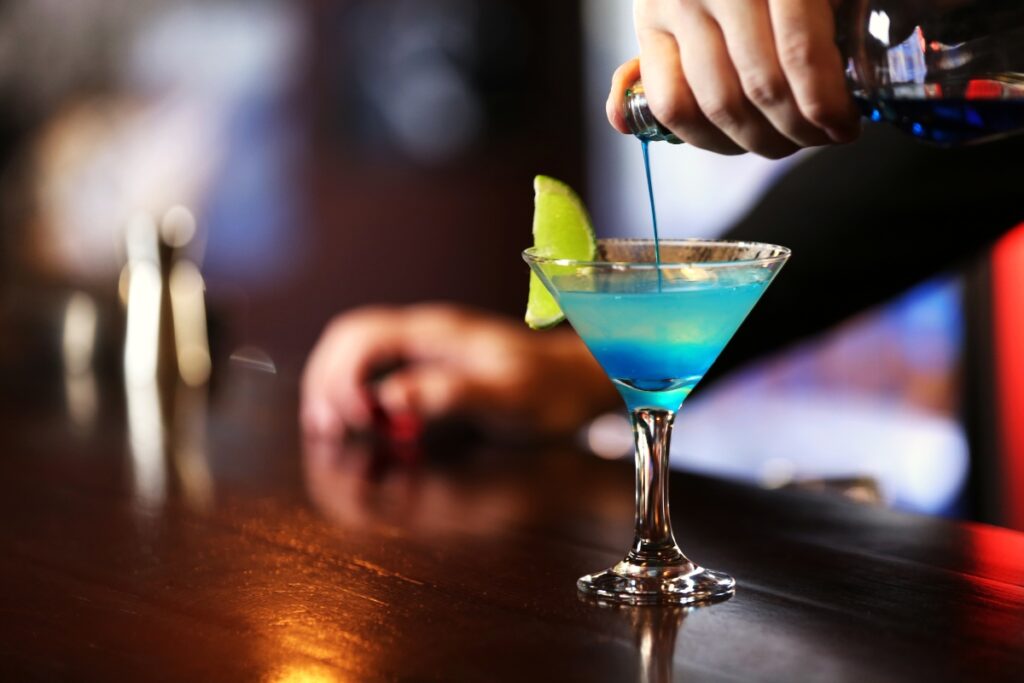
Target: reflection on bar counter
{"points": [[78, 345], [166, 370]]}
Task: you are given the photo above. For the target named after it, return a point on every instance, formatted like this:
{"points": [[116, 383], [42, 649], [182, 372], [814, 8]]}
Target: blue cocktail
{"points": [[656, 329]]}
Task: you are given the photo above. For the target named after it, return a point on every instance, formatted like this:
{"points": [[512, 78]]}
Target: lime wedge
{"points": [[561, 229]]}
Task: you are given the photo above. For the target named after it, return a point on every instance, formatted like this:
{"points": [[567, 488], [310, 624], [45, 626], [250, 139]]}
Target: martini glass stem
{"points": [[653, 543]]}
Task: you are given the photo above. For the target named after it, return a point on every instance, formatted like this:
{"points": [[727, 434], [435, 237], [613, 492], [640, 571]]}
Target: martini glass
{"points": [[656, 329]]}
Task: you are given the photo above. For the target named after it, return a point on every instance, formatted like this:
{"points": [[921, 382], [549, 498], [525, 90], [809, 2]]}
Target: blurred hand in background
{"points": [[763, 76], [434, 361]]}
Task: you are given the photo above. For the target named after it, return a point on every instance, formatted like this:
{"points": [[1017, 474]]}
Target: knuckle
{"points": [[765, 89], [797, 52], [723, 111], [348, 329]]}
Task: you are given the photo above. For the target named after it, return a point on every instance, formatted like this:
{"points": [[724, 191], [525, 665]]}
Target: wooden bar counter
{"points": [[214, 546]]}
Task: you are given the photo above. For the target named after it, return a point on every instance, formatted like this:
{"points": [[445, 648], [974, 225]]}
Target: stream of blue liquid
{"points": [[654, 213]]}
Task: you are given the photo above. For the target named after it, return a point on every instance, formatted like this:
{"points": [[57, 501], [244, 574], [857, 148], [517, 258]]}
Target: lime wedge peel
{"points": [[561, 229]]}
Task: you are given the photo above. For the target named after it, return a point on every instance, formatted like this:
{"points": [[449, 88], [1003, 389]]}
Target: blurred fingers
{"points": [[431, 392], [316, 414], [334, 391]]}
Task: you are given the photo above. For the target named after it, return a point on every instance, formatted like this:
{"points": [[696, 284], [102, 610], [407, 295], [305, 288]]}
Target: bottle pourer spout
{"points": [[640, 120]]}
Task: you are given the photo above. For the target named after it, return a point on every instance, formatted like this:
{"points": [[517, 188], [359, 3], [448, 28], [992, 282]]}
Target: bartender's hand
{"points": [[740, 75], [447, 361]]}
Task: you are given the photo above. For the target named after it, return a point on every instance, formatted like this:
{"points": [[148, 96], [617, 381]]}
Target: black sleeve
{"points": [[867, 221]]}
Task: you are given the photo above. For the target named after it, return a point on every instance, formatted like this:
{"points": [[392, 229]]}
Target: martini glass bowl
{"points": [[656, 328]]}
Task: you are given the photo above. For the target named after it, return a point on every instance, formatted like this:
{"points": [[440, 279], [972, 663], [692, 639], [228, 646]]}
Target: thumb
{"points": [[623, 78]]}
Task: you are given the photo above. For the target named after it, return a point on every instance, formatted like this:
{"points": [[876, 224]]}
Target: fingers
{"points": [[624, 77], [669, 95], [751, 48], [717, 89], [334, 384], [758, 75], [430, 392], [461, 361], [316, 414], [455, 362], [339, 390], [804, 33]]}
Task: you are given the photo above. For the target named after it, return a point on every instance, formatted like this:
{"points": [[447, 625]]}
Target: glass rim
{"points": [[781, 254]]}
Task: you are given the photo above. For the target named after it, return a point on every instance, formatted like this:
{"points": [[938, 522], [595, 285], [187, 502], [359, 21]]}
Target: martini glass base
{"points": [[633, 584]]}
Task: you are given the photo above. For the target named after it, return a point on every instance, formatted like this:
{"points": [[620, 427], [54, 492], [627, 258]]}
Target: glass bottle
{"points": [[945, 71]]}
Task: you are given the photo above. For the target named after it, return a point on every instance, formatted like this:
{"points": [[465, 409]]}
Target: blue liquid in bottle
{"points": [[947, 121]]}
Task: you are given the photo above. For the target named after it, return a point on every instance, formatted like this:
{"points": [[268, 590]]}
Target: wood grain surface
{"points": [[216, 546]]}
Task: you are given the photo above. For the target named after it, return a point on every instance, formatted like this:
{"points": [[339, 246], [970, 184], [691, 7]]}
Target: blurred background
{"points": [[277, 162]]}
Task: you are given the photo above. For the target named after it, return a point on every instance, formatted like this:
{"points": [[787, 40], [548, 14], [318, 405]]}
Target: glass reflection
{"points": [[253, 358], [146, 432], [187, 294], [190, 447], [655, 630], [189, 310], [82, 396], [146, 443], [78, 345], [181, 433], [142, 332]]}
